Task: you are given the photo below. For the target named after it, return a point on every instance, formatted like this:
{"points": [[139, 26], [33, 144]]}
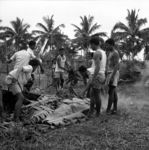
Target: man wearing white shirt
{"points": [[16, 79], [21, 58]]}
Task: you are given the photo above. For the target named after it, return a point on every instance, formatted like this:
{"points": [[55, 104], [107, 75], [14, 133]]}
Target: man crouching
{"points": [[16, 80]]}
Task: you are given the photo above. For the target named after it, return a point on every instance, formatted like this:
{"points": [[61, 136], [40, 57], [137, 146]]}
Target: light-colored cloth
{"points": [[92, 68], [30, 51], [98, 81], [62, 62], [115, 80], [21, 58], [17, 78]]}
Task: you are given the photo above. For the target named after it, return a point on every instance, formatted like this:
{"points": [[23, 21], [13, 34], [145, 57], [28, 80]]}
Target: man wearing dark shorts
{"points": [[98, 77]]}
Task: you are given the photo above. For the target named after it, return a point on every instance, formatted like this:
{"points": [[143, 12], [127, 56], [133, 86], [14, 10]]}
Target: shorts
{"points": [[98, 81], [59, 75], [115, 81]]}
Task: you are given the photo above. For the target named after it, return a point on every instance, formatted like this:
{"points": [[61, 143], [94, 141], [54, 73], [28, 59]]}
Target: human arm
{"points": [[12, 58]]}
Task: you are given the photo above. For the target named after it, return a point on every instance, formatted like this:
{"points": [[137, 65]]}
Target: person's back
{"points": [[21, 58], [102, 61]]}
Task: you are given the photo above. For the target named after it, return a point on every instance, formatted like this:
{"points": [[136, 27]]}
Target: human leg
{"points": [[92, 102], [97, 98], [61, 79], [18, 105], [115, 101], [111, 98]]}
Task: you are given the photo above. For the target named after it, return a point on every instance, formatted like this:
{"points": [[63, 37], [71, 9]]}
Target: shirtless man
{"points": [[112, 75]]}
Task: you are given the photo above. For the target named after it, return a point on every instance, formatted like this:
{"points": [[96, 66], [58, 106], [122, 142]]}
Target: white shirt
{"points": [[30, 51], [21, 58], [22, 75], [62, 62]]}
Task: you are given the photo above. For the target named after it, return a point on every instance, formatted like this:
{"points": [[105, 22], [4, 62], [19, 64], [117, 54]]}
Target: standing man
{"points": [[60, 68], [98, 76], [112, 75]]}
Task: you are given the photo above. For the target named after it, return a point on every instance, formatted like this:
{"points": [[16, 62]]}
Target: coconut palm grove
{"points": [[90, 92]]}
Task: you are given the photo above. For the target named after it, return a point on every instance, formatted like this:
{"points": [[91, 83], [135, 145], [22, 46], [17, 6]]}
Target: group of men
{"points": [[104, 70]]}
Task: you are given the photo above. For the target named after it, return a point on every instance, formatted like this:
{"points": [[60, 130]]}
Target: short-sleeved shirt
{"points": [[21, 58], [30, 51]]}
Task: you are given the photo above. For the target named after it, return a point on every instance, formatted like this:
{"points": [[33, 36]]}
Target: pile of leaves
{"points": [[54, 111]]}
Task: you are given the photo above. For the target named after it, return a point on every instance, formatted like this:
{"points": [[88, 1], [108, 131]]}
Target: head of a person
{"points": [[94, 42], [109, 44], [34, 63], [61, 51], [32, 45]]}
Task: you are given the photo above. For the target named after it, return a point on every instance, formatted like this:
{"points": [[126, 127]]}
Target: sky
{"points": [[68, 12]]}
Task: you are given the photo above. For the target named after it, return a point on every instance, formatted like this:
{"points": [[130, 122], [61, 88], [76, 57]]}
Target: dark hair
{"points": [[110, 42], [32, 43], [94, 40], [34, 62]]}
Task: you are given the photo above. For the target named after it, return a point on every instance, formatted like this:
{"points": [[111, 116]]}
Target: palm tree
{"points": [[85, 31], [17, 34], [49, 35], [131, 35]]}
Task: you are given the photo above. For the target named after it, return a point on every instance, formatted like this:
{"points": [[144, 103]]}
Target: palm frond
{"points": [[120, 26], [42, 27]]}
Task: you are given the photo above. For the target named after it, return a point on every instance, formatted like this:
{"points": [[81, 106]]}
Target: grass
{"points": [[128, 130]]}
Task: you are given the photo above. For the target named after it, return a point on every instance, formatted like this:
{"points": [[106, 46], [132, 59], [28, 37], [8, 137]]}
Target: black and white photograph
{"points": [[74, 75]]}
